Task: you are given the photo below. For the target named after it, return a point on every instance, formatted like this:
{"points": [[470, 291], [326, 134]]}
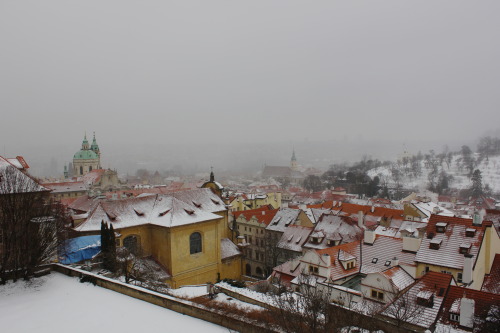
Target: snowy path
{"points": [[57, 303]]}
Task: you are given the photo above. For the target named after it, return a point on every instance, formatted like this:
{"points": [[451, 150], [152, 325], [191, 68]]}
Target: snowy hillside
{"points": [[490, 170]]}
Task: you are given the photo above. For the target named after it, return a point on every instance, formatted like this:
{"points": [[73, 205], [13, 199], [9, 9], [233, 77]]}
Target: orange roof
{"points": [[263, 214]]}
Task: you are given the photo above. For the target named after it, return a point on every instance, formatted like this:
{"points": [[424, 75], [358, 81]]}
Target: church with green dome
{"points": [[87, 159]]}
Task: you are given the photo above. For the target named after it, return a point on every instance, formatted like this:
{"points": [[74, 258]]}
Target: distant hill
{"points": [[457, 169]]}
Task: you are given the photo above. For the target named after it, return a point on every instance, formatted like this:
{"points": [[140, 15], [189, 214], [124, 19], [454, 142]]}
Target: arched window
{"points": [[195, 243], [248, 269], [90, 168], [131, 244], [81, 170]]}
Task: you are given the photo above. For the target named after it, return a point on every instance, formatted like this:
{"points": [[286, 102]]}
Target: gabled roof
{"points": [[175, 209], [491, 281], [433, 285], [448, 254]]}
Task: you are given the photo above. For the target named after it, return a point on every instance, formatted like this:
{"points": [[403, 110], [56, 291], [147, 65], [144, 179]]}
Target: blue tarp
{"points": [[80, 249]]}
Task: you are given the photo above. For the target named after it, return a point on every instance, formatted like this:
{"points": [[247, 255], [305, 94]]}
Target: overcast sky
{"points": [[169, 72]]}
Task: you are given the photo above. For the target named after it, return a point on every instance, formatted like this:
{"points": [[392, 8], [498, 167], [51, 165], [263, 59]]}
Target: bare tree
{"points": [[32, 226], [404, 310]]}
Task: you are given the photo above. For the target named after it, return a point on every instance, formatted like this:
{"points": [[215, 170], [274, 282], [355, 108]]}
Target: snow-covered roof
{"points": [[433, 286], [454, 235], [65, 187], [228, 249], [399, 278], [331, 227], [294, 237], [283, 218], [166, 210]]}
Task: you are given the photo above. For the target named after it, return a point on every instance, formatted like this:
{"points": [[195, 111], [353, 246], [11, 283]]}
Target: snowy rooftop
{"points": [[175, 209], [283, 218]]}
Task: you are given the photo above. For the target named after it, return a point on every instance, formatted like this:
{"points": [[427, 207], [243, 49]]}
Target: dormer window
{"points": [[315, 240], [425, 298], [330, 242], [435, 244], [313, 269], [470, 232], [465, 248], [441, 227]]}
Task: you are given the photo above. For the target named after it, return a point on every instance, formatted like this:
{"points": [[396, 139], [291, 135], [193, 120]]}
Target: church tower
{"points": [[293, 162], [86, 159]]}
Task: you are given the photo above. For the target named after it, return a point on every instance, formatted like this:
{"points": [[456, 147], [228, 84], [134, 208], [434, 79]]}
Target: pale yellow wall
{"points": [[86, 166], [231, 268], [170, 246]]}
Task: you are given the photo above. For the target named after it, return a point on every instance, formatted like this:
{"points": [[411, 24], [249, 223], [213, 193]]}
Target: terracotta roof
{"points": [[264, 216], [491, 281]]}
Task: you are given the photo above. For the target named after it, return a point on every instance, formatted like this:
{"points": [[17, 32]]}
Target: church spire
{"points": [[212, 177], [85, 143]]}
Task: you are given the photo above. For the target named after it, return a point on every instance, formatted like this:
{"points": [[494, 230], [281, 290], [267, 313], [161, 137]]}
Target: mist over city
{"points": [[250, 166]]}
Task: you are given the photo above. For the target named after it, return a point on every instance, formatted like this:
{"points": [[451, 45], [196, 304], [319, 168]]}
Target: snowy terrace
{"points": [[57, 303]]}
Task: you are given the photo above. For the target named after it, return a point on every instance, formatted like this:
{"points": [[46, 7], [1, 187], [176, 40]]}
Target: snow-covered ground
{"points": [[57, 303], [490, 172]]}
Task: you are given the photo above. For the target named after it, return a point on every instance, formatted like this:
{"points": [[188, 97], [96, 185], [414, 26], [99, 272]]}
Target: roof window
{"points": [[470, 232], [387, 263], [374, 260], [425, 298], [465, 248], [441, 227], [164, 212], [435, 244]]}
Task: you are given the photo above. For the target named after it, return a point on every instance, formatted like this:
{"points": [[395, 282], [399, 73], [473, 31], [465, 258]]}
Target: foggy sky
{"points": [[211, 74]]}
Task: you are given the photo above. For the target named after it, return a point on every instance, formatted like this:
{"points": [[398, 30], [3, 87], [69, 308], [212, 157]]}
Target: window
{"points": [[454, 317], [377, 294], [81, 170], [374, 260], [313, 269], [131, 243], [90, 168], [117, 242], [459, 277], [195, 243]]}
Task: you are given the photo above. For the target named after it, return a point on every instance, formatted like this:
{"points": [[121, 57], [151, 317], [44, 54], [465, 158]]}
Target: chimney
{"points": [[372, 209], [263, 212], [361, 219], [468, 264], [411, 244], [369, 237], [467, 312], [477, 219], [395, 261]]}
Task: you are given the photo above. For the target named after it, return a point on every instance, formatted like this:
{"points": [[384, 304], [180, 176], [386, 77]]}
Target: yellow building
{"points": [[464, 248], [241, 202], [186, 231]]}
